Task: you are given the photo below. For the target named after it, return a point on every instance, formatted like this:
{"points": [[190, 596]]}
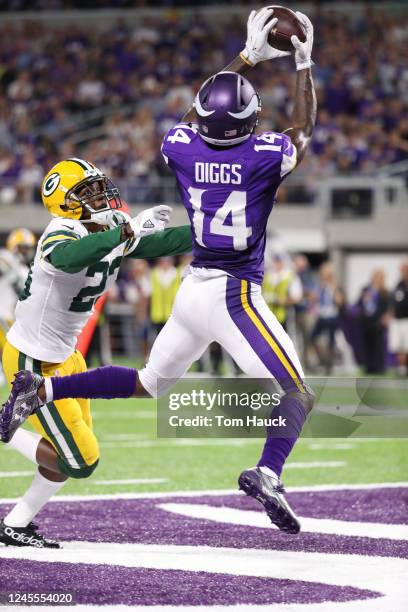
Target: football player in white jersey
{"points": [[77, 259]]}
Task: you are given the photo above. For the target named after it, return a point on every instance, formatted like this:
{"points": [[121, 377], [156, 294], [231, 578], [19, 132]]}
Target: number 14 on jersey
{"points": [[238, 230]]}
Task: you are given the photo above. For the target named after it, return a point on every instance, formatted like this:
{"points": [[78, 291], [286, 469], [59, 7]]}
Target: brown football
{"points": [[287, 26]]}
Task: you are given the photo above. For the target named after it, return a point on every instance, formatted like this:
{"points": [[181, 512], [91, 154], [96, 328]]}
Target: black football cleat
{"points": [[269, 492], [20, 404], [24, 536]]}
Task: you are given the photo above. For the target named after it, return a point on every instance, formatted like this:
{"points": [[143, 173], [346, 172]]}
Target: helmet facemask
{"points": [[92, 195]]}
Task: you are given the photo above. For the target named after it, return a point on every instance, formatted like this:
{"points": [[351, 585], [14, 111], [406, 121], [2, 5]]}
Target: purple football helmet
{"points": [[227, 108]]}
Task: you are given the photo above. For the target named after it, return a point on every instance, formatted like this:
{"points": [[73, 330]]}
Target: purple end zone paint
{"points": [[105, 585], [143, 521]]}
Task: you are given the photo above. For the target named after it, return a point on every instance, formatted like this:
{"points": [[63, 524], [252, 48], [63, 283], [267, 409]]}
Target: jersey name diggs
{"points": [[211, 172]]}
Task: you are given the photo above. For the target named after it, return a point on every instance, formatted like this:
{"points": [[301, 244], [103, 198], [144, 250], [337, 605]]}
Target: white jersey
{"points": [[13, 274], [55, 305]]}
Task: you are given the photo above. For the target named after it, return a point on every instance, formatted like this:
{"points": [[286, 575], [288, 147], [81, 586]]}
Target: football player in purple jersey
{"points": [[228, 177]]}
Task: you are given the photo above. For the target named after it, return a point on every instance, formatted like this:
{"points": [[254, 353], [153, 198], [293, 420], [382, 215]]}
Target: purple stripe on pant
{"points": [[280, 440], [254, 337]]}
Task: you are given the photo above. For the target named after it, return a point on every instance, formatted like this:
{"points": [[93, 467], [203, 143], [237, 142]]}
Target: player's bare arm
{"points": [[257, 49], [304, 111]]}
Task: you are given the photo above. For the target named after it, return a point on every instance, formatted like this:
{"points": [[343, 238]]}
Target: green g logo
{"points": [[51, 184]]}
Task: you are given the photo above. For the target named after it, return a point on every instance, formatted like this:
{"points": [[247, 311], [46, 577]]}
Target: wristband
{"points": [[242, 56], [306, 64]]}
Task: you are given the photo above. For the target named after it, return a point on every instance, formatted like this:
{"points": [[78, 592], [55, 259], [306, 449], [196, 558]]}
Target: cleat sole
{"points": [[275, 513]]}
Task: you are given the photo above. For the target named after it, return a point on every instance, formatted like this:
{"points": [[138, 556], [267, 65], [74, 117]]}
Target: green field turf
{"points": [[126, 430]]}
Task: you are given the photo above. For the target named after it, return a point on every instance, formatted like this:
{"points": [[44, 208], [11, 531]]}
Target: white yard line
{"points": [[129, 481], [330, 446], [118, 416], [215, 492], [124, 436], [305, 465], [16, 474], [181, 442]]}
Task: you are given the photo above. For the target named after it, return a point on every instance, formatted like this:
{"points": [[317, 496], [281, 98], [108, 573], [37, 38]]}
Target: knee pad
{"points": [[307, 398], [78, 473]]}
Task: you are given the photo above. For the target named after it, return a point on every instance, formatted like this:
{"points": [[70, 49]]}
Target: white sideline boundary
{"points": [[215, 492]]}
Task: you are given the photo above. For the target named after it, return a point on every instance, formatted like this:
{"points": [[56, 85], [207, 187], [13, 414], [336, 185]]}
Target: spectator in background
{"points": [[30, 179], [165, 281], [328, 299], [399, 322], [373, 307], [281, 288], [58, 82], [137, 292], [184, 264], [303, 307]]}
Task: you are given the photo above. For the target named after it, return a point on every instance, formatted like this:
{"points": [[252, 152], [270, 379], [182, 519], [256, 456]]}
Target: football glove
{"points": [[303, 51], [110, 218], [257, 49], [151, 221]]}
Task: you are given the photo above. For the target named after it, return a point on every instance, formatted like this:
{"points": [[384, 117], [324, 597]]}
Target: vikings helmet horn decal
{"points": [[227, 108]]}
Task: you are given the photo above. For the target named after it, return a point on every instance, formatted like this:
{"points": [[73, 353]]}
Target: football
{"points": [[287, 26]]}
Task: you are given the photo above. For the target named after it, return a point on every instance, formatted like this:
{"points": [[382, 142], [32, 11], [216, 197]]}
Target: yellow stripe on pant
{"points": [[66, 423], [268, 337]]}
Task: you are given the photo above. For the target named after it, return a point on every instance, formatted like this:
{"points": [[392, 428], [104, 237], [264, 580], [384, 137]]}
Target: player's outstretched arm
{"points": [[304, 110], [257, 49], [172, 241], [72, 256]]}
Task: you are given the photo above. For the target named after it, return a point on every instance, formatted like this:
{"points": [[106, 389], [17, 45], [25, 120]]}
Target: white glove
{"points": [[303, 51], [110, 218], [151, 220], [257, 49]]}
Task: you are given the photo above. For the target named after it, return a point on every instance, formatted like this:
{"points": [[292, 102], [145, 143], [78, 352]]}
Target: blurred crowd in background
{"points": [[332, 334], [109, 95]]}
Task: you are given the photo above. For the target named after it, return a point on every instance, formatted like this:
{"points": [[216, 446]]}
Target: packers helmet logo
{"points": [[51, 183]]}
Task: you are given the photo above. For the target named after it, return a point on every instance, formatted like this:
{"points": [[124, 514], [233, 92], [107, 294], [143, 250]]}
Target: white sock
{"points": [[268, 472], [26, 443], [38, 494], [49, 393]]}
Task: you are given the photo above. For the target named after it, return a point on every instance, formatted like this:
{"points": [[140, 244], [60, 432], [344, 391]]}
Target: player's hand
{"points": [[257, 49], [151, 221], [110, 218], [303, 51]]}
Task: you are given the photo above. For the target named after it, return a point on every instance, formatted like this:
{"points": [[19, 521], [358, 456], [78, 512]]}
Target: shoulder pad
{"points": [[66, 225]]}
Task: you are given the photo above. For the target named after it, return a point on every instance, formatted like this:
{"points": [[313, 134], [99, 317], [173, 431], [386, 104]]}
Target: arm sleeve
{"points": [[289, 156], [74, 255], [172, 241]]}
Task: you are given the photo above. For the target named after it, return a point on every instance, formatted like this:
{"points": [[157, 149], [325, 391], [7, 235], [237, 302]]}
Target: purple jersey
{"points": [[229, 194]]}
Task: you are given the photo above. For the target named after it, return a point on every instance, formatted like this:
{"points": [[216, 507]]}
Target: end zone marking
{"points": [[251, 518], [383, 575]]}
